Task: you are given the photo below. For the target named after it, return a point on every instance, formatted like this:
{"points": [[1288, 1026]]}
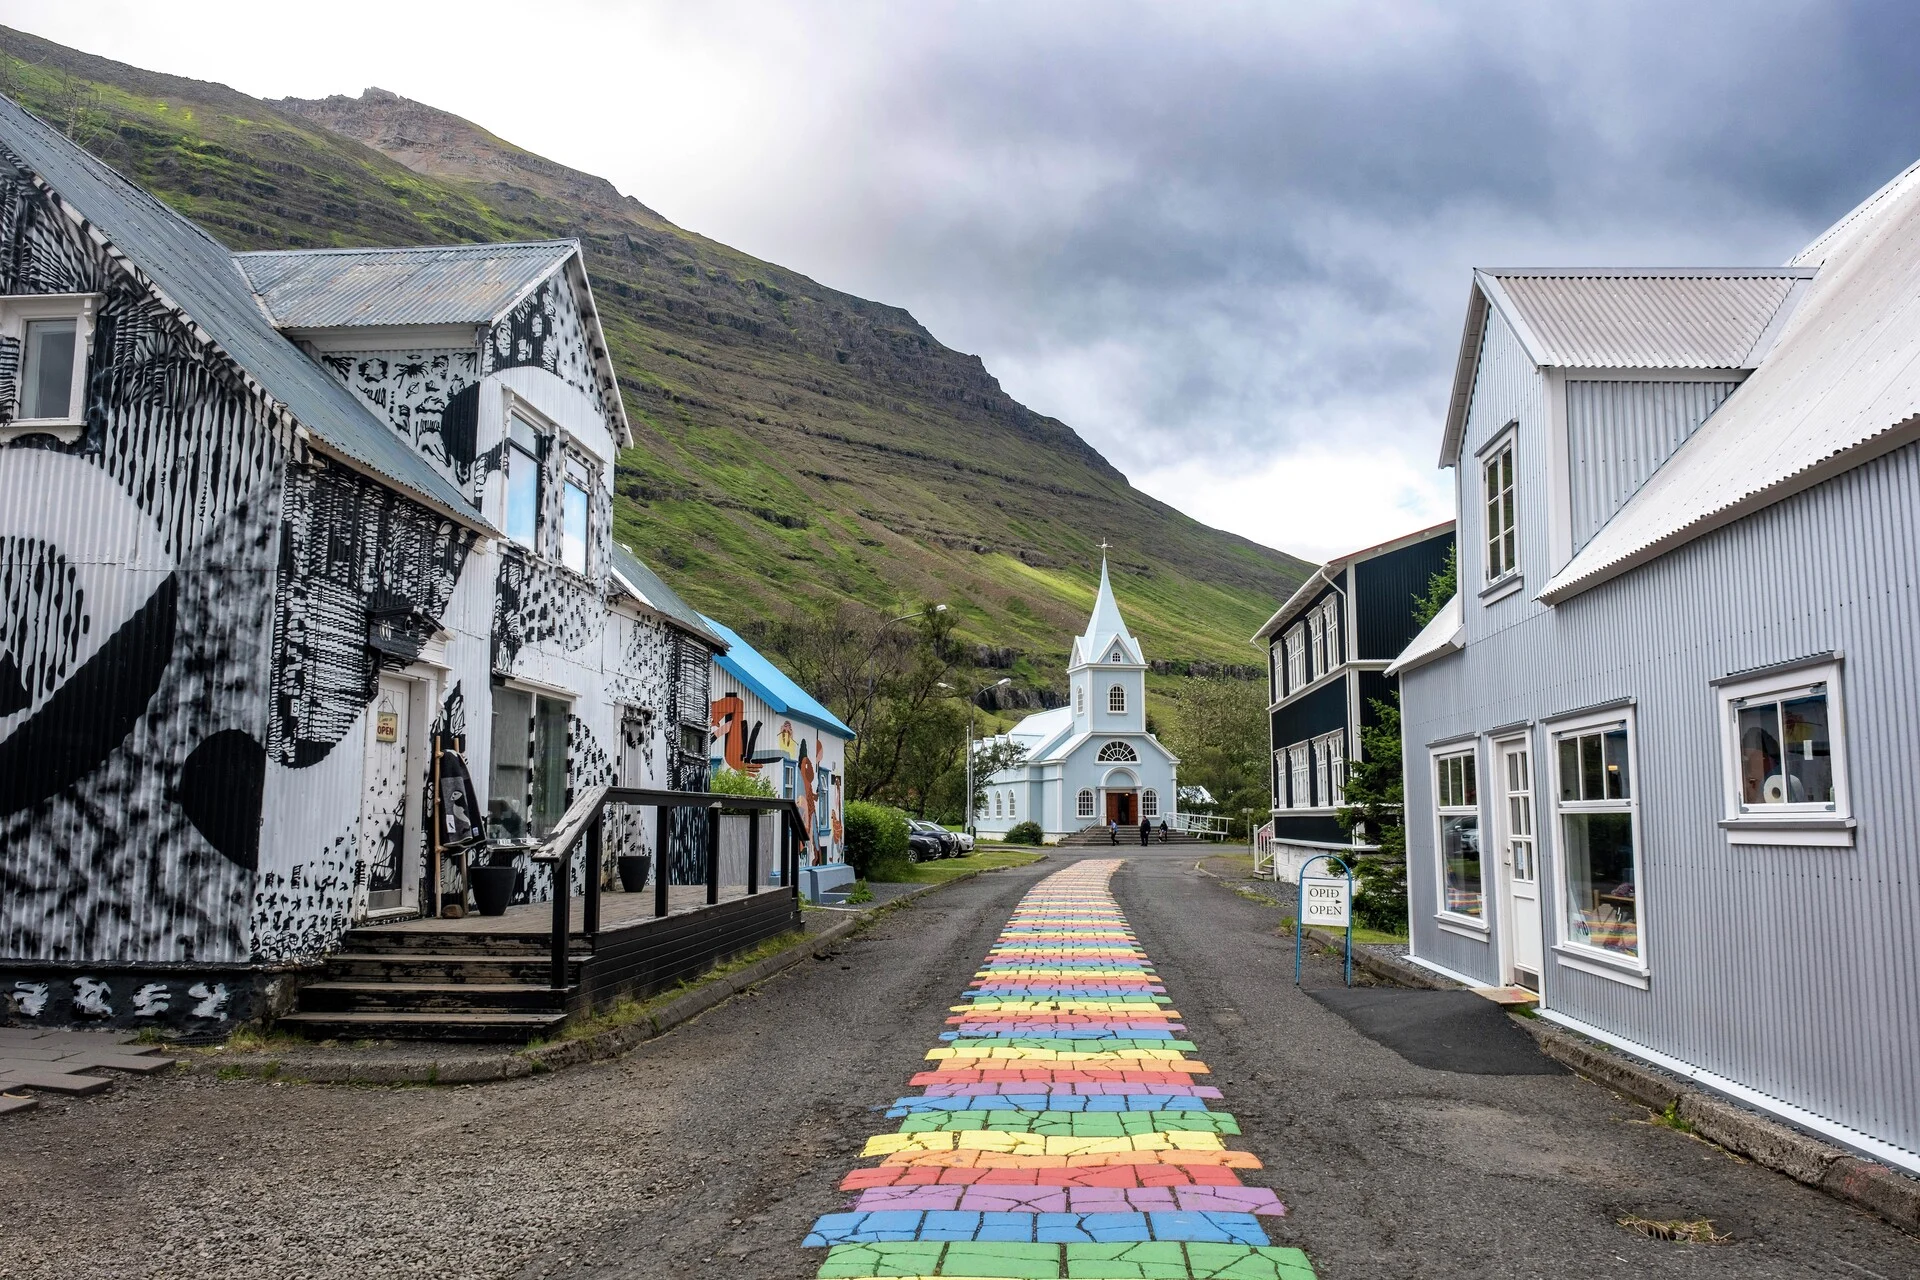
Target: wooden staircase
{"points": [[396, 984]]}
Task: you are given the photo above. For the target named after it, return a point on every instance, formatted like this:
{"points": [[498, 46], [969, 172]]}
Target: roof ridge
{"points": [[465, 246]]}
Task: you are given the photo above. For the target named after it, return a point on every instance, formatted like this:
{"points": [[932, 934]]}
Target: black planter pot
{"points": [[493, 889], [633, 872]]}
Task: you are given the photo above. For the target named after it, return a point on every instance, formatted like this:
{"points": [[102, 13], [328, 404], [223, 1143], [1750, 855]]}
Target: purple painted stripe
{"points": [[1018, 1199], [1086, 1088]]}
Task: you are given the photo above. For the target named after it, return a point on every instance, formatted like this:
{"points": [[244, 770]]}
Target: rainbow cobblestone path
{"points": [[1060, 1132]]}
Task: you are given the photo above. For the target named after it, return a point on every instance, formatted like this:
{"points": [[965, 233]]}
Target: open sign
{"points": [[1325, 902]]}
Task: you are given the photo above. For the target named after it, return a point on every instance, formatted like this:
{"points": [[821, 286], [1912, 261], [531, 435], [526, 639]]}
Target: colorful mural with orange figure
{"points": [[763, 724]]}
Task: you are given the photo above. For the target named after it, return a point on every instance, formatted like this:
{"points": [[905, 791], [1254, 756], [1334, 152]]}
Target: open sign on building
{"points": [[1325, 902]]}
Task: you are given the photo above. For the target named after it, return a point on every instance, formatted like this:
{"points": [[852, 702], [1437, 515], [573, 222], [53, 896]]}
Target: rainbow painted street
{"points": [[1060, 1131]]}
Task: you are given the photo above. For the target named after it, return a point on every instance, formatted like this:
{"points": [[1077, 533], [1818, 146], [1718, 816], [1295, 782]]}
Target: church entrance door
{"points": [[1123, 807]]}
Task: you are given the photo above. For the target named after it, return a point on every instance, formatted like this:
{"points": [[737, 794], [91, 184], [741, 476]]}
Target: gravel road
{"points": [[709, 1151]]}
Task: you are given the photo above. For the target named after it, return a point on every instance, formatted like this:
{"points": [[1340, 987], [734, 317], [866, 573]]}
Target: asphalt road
{"points": [[709, 1151]]}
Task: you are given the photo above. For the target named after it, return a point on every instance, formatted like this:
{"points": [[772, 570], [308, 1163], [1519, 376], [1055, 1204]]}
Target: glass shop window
{"points": [[573, 517], [1786, 750], [528, 795], [1594, 787], [47, 381], [1457, 804], [524, 448]]}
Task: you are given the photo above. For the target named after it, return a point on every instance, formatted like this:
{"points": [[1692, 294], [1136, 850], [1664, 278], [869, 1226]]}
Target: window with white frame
{"points": [[1497, 492], [1456, 797], [1149, 803], [1330, 633], [1117, 752], [1599, 859], [1013, 809], [996, 804], [525, 448], [1299, 779], [1296, 657], [1330, 764], [1316, 647], [1083, 803], [1117, 699], [49, 337], [574, 486], [1279, 779], [1080, 701], [1783, 758]]}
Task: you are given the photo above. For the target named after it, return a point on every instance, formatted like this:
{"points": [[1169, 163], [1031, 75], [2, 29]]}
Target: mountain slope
{"points": [[794, 443]]}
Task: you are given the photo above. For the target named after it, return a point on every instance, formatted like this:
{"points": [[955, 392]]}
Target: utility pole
{"points": [[973, 717]]}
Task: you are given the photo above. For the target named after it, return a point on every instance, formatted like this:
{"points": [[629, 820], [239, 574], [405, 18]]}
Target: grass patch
{"points": [[251, 1039], [860, 893], [981, 860], [1672, 1119], [628, 1011], [1681, 1231]]}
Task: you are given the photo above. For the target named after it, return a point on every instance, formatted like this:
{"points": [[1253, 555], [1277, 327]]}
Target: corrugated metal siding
{"points": [[1384, 591], [1662, 321], [435, 284], [1790, 970], [1618, 434]]}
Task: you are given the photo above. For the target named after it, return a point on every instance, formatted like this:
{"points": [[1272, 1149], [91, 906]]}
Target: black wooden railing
{"points": [[585, 819]]}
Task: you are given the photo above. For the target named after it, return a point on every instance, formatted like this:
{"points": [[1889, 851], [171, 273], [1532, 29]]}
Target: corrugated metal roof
{"points": [[433, 284], [1644, 320], [772, 685], [1444, 633], [647, 587], [1577, 318], [198, 275], [1841, 386]]}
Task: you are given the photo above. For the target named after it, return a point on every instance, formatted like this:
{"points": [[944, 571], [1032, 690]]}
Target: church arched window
{"points": [[1085, 808], [1119, 752], [1117, 699], [1012, 810], [996, 804], [1149, 803]]}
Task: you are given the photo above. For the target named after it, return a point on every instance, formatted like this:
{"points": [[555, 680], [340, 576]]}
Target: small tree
{"points": [[990, 756]]}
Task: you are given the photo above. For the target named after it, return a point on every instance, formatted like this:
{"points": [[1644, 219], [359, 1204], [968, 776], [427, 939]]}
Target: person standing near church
{"points": [[1146, 833], [1113, 830]]}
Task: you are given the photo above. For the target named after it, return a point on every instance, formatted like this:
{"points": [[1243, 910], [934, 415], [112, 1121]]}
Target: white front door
{"points": [[390, 825], [1520, 866]]}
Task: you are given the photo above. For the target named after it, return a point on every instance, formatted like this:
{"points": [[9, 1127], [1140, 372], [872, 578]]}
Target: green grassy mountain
{"points": [[795, 445]]}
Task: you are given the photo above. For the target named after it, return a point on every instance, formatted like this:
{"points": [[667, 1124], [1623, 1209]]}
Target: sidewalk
{"points": [[65, 1062]]}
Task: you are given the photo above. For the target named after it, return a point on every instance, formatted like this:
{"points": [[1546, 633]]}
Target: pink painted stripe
{"points": [[1086, 1088]]}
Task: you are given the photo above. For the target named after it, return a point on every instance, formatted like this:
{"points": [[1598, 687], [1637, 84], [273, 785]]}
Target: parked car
{"points": [[966, 842], [923, 845], [948, 843]]}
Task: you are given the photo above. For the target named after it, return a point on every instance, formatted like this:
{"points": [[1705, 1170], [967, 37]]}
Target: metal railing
{"points": [[1262, 845], [1212, 826], [585, 819]]}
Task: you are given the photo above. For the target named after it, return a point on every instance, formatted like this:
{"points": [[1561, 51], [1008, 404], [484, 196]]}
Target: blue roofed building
{"points": [[765, 725]]}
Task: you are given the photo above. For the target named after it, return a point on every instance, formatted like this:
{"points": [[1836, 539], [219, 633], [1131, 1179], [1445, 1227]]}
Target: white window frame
{"points": [[1116, 699], [1013, 809], [1316, 647], [1296, 641], [1330, 755], [1800, 825], [1635, 970], [516, 455], [1083, 804], [1080, 701], [1299, 777], [1149, 803], [1475, 927], [996, 804], [1504, 446], [578, 474], [1330, 633], [81, 308]]}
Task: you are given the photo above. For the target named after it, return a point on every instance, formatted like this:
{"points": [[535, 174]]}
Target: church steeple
{"points": [[1106, 629]]}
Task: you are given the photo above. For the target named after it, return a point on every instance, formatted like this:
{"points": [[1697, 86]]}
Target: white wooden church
{"points": [[1092, 761]]}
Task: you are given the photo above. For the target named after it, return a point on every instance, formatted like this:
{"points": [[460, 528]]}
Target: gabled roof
{"points": [[195, 274], [632, 576], [1326, 573], [1105, 628], [1443, 635], [772, 685], [1841, 386], [1576, 318], [431, 284]]}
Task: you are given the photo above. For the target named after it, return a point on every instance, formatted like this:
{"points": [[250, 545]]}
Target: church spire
{"points": [[1106, 625]]}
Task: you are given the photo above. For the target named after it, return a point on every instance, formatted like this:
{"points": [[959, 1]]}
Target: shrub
{"points": [[731, 782], [1027, 832], [876, 838], [1380, 895]]}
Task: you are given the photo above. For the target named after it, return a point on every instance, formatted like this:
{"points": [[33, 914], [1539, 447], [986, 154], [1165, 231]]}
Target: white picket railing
{"points": [[1211, 826]]}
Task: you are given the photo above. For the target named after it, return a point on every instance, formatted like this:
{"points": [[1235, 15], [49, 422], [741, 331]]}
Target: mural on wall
{"points": [[545, 331], [535, 602], [365, 577], [430, 396], [136, 592], [300, 913], [734, 735]]}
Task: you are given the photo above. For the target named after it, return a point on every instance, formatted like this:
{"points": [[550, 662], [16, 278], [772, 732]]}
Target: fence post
{"points": [[713, 855], [663, 826], [792, 827], [753, 851], [596, 868], [562, 913]]}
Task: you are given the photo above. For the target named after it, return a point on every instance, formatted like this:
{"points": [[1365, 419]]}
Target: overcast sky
{"points": [[1228, 243]]}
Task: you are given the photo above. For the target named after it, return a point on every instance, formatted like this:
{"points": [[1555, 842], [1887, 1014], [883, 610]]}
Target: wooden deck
{"points": [[617, 911]]}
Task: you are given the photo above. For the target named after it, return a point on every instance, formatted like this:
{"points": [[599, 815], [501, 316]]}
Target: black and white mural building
{"points": [[270, 525]]}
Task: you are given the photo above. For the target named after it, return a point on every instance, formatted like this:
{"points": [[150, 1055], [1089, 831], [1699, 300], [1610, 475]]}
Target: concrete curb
{"points": [[1865, 1184], [510, 1064]]}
